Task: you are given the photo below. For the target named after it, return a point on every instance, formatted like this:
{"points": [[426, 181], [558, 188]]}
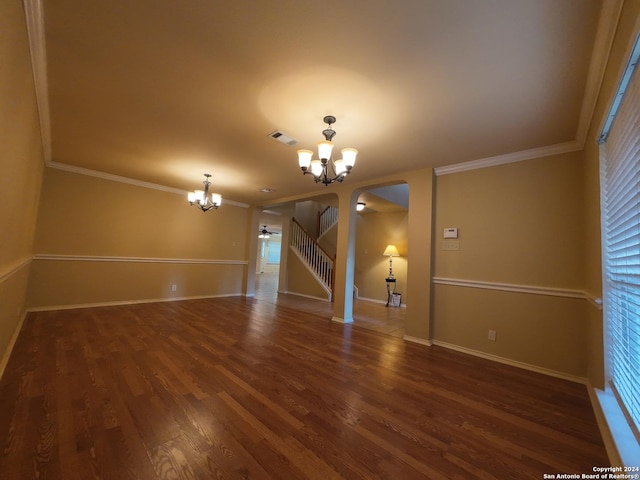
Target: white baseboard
{"points": [[303, 295], [342, 320], [12, 343], [127, 302], [513, 363], [381, 302], [420, 341]]}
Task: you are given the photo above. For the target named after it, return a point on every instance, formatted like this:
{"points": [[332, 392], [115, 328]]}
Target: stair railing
{"points": [[327, 219], [317, 259]]}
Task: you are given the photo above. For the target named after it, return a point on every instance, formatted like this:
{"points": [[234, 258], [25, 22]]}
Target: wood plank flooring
{"points": [[367, 314], [241, 388]]}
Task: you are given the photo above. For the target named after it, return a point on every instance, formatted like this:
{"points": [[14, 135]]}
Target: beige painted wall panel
{"points": [[64, 283], [543, 331], [21, 164], [519, 223], [21, 161], [374, 232], [301, 281], [88, 216], [84, 215], [12, 307]]}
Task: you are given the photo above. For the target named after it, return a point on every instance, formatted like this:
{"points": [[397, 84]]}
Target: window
{"points": [[620, 180]]}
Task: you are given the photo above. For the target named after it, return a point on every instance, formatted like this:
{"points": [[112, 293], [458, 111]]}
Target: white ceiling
{"points": [[164, 91]]}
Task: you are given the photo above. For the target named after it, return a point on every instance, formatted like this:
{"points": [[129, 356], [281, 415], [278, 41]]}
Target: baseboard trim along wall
{"points": [[12, 343], [313, 297], [513, 363], [102, 258], [419, 341], [512, 287], [128, 302]]}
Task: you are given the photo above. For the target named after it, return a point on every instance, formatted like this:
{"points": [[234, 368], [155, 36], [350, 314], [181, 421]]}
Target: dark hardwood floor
{"points": [[238, 388], [367, 314]]}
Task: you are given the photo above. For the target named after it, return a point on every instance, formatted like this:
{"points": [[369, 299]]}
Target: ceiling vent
{"points": [[283, 138]]}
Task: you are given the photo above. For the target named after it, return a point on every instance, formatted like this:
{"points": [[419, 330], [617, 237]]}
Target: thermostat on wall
{"points": [[450, 233]]}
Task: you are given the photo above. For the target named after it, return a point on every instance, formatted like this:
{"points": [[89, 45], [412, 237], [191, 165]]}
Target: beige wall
{"points": [[374, 232], [21, 163], [301, 281], [102, 241], [518, 223], [522, 225]]}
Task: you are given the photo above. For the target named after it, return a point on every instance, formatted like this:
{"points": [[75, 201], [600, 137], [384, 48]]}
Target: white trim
{"points": [[101, 258], [286, 292], [130, 181], [572, 146], [622, 445], [381, 302], [35, 30], [14, 269], [12, 343], [512, 287], [342, 320], [419, 341], [372, 300], [128, 302], [513, 363]]}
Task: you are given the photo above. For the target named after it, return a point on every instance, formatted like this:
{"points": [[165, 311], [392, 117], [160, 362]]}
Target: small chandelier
{"points": [[320, 168], [202, 199]]}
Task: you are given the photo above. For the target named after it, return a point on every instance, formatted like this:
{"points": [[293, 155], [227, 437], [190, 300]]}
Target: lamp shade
{"points": [[324, 150], [349, 156], [391, 251], [216, 199], [304, 158], [316, 167], [340, 167]]}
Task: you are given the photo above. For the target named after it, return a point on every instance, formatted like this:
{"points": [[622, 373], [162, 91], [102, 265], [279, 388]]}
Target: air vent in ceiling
{"points": [[283, 138]]}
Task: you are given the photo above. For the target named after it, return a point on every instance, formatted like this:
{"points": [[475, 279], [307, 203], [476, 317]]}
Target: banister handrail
{"points": [[316, 258], [313, 240], [326, 219]]}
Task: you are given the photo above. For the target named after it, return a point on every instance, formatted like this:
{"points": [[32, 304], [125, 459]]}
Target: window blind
{"points": [[620, 181]]}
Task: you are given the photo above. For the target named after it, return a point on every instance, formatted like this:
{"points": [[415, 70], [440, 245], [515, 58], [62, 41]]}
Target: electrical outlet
{"points": [[492, 335], [174, 288]]}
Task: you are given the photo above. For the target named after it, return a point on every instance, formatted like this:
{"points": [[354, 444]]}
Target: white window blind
{"points": [[620, 181]]}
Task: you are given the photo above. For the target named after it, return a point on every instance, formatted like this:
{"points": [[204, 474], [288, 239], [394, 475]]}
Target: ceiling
{"points": [[164, 91]]}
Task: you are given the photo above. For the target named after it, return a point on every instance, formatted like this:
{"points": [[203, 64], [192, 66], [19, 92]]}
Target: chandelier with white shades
{"points": [[319, 168], [202, 198]]}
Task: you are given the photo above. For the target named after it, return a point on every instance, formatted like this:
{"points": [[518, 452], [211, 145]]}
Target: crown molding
{"points": [[130, 181], [607, 26], [546, 151], [35, 30]]}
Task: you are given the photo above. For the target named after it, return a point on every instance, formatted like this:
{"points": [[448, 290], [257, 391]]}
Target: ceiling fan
{"points": [[264, 233]]}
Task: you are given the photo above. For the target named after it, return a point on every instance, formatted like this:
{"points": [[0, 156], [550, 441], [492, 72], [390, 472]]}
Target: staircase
{"points": [[319, 262], [327, 219]]}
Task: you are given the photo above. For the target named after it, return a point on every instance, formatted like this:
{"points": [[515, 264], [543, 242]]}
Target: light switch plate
{"points": [[451, 245]]}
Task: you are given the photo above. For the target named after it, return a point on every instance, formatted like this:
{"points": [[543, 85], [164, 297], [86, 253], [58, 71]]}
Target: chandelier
{"points": [[202, 199], [320, 168]]}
